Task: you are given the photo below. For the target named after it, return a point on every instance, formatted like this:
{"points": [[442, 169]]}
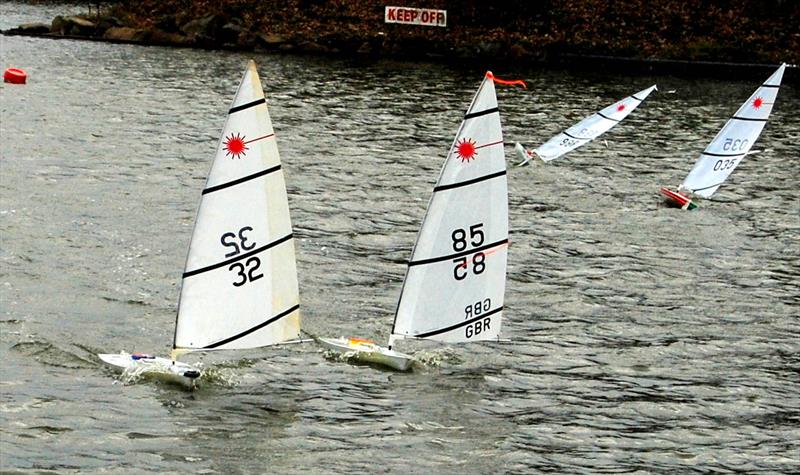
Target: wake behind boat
{"points": [[584, 131], [455, 283], [166, 368], [730, 146], [239, 287], [367, 351]]}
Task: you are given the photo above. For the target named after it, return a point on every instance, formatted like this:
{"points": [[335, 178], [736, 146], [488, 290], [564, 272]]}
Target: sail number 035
{"points": [[461, 242], [730, 145], [246, 272]]}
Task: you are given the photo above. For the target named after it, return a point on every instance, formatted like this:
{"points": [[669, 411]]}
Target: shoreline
{"points": [[683, 38], [575, 62]]}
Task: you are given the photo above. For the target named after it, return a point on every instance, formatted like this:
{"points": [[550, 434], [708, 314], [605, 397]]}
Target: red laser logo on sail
{"points": [[465, 148], [757, 102], [620, 107], [235, 146]]}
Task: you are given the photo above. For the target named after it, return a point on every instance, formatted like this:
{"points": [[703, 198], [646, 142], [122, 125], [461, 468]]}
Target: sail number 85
{"points": [[461, 242]]}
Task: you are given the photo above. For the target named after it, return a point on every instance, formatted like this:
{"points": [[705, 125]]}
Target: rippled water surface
{"points": [[642, 337]]}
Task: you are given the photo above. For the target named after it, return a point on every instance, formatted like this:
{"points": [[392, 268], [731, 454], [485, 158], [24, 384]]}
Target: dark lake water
{"points": [[642, 338]]}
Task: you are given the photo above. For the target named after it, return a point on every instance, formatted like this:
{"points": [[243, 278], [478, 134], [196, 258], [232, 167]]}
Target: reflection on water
{"points": [[642, 337]]}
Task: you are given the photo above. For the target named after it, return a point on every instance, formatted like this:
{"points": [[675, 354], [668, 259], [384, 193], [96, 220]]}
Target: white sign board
{"points": [[416, 16]]}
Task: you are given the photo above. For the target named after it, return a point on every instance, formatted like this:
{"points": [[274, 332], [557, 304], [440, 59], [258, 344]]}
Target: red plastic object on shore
{"points": [[15, 76]]}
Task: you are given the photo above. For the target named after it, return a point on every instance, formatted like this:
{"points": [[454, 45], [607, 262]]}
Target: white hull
{"points": [[147, 364], [368, 352]]}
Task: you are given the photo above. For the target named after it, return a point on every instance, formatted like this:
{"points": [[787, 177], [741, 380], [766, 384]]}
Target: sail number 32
{"points": [[462, 242], [240, 243]]}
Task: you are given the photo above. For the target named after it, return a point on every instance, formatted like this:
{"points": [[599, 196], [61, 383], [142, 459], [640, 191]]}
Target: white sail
{"points": [[240, 288], [455, 283], [734, 141], [591, 127]]}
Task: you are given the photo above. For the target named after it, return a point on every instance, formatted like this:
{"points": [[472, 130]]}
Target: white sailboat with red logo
{"points": [[239, 287], [455, 283], [584, 131], [731, 145]]}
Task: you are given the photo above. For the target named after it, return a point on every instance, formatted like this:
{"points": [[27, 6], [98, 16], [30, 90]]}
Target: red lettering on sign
{"points": [[415, 16]]}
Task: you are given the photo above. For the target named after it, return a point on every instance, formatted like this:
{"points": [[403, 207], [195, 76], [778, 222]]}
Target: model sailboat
{"points": [[586, 130], [731, 145], [239, 288], [455, 283]]}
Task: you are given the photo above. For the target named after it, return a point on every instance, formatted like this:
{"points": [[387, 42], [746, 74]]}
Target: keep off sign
{"points": [[416, 16]]}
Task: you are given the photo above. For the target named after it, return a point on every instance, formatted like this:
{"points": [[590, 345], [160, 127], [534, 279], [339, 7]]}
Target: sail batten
{"points": [[470, 182], [239, 287], [753, 119], [710, 154], [433, 260], [242, 107], [472, 115], [251, 330], [238, 181]]}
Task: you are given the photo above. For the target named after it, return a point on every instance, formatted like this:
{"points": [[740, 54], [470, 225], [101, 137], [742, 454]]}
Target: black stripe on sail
{"points": [[458, 325], [634, 96], [469, 182], [749, 119], [573, 137], [248, 105], [722, 154], [251, 330], [483, 112], [706, 187], [237, 258], [607, 117], [458, 254], [243, 179], [776, 86]]}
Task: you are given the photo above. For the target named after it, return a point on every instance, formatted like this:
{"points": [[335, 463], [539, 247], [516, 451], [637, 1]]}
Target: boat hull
{"points": [[154, 365], [368, 352], [678, 199]]}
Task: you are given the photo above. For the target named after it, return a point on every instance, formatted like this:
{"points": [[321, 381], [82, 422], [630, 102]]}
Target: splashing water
{"points": [[221, 376], [435, 358]]}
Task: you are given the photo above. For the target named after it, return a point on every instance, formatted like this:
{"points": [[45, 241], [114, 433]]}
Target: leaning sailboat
{"points": [[455, 283], [239, 288], [730, 146], [584, 131]]}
